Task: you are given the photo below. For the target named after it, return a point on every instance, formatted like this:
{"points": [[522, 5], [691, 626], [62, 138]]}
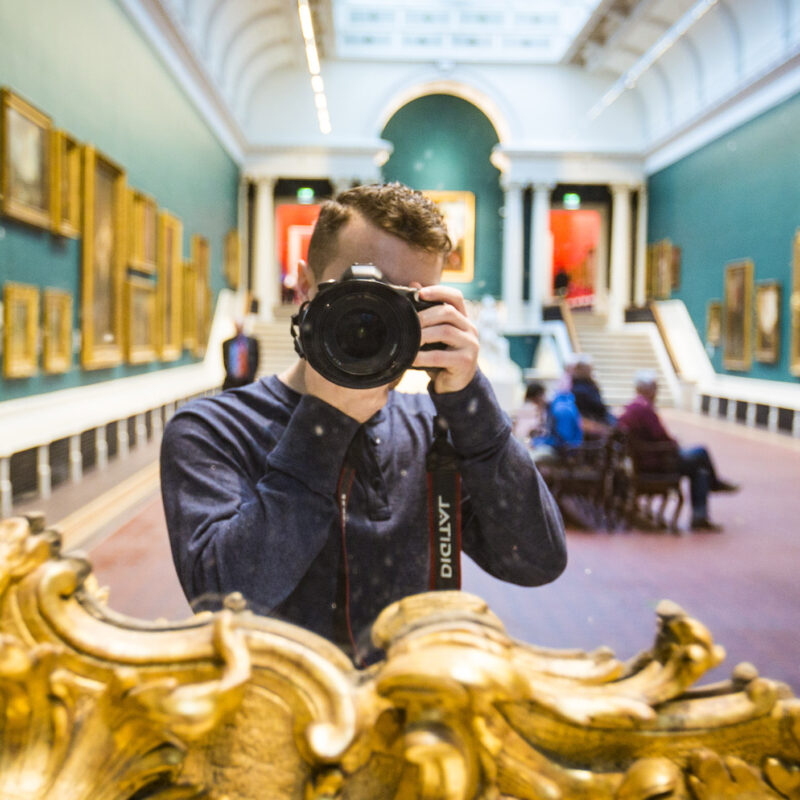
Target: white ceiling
{"points": [[239, 59]]}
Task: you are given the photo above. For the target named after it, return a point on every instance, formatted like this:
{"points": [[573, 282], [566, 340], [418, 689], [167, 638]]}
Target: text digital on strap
{"points": [[444, 510]]}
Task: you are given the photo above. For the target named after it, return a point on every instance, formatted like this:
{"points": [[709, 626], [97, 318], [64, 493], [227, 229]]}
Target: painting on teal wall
{"points": [[443, 143]]}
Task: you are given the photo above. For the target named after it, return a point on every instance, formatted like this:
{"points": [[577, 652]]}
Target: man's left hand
{"points": [[451, 369]]}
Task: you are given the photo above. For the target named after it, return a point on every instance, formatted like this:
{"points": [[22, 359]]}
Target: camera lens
{"points": [[360, 333]]}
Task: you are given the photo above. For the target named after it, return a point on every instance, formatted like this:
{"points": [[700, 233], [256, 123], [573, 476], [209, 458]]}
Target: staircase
{"points": [[276, 349], [618, 355]]}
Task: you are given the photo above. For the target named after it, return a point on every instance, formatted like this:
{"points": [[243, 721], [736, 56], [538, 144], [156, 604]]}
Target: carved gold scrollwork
{"points": [[232, 706]]}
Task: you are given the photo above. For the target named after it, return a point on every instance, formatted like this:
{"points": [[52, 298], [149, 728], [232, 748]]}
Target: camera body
{"points": [[360, 331]]}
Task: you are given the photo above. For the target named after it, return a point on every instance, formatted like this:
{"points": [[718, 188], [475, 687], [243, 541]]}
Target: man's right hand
{"points": [[360, 404]]}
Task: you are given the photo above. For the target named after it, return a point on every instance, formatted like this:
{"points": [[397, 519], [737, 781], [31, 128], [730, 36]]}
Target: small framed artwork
{"points": [[664, 269], [25, 149], [170, 281], [141, 328], [20, 330], [103, 261], [794, 304], [65, 185], [201, 258], [458, 209], [675, 274], [189, 305], [737, 314], [142, 232], [233, 259], [57, 356], [768, 322], [714, 323]]}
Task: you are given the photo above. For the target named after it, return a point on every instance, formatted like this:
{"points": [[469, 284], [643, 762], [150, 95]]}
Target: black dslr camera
{"points": [[360, 331]]}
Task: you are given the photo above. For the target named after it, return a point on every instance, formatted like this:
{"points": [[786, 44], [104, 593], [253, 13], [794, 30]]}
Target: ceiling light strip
{"points": [[312, 58], [628, 79]]}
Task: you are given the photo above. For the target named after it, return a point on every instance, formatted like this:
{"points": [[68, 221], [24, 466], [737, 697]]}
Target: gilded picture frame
{"points": [[768, 322], [142, 232], [458, 209], [65, 185], [714, 323], [25, 150], [233, 259], [737, 353], [57, 328], [794, 305], [20, 330], [141, 313], [201, 258], [170, 283], [189, 316], [102, 261]]}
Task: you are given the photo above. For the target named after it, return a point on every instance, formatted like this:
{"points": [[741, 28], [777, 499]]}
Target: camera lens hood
{"points": [[359, 333]]}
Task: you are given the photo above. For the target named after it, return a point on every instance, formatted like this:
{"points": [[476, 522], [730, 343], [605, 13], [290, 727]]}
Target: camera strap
{"points": [[444, 509]]}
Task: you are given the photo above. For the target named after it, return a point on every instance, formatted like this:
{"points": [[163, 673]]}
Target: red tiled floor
{"points": [[743, 584]]}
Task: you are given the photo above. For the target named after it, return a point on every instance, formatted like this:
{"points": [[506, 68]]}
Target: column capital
{"points": [[265, 181], [510, 185], [621, 188], [543, 186]]}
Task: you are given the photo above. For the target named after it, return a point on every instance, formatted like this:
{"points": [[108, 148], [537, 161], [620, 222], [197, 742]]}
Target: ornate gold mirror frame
{"points": [[232, 705]]}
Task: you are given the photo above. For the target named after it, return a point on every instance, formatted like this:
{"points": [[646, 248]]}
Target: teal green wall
{"points": [[736, 198], [442, 142], [86, 65]]}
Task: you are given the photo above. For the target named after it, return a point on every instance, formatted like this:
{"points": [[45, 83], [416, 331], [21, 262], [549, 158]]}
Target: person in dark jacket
{"points": [[311, 499], [240, 358], [597, 419]]}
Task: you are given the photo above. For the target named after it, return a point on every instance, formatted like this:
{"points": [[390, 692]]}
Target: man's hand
{"points": [[360, 404], [451, 369]]}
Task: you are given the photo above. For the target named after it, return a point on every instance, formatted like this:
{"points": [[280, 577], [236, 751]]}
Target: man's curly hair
{"points": [[392, 207]]}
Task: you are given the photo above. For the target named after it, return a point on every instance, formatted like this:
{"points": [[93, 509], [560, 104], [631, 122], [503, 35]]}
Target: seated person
{"points": [[311, 499], [597, 419], [529, 420], [564, 429], [641, 422]]}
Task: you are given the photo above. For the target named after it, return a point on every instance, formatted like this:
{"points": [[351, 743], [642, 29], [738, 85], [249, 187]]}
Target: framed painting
{"points": [[714, 323], [65, 185], [170, 281], [57, 355], [142, 232], [768, 322], [20, 330], [794, 304], [25, 149], [663, 269], [103, 260], [189, 305], [737, 314], [233, 259], [458, 209], [675, 273], [201, 259], [141, 328]]}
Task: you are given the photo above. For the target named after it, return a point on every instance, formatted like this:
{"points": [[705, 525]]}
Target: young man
{"points": [[311, 499]]}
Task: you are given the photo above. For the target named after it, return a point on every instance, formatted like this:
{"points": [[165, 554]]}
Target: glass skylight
{"points": [[533, 31]]}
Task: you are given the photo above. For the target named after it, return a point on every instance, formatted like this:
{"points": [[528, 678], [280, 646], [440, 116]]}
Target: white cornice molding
{"points": [[160, 31], [762, 92]]}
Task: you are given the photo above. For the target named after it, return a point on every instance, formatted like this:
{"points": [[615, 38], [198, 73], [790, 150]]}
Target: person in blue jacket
{"points": [[311, 499], [564, 428]]}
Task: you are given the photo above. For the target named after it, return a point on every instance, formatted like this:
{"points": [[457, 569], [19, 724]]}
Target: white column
{"points": [[640, 288], [266, 280], [620, 255], [101, 446], [341, 185], [75, 459], [156, 422], [141, 430], [541, 274], [512, 253], [6, 493], [43, 472], [123, 440]]}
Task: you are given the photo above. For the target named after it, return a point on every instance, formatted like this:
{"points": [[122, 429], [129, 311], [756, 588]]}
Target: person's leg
{"points": [[693, 463]]}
